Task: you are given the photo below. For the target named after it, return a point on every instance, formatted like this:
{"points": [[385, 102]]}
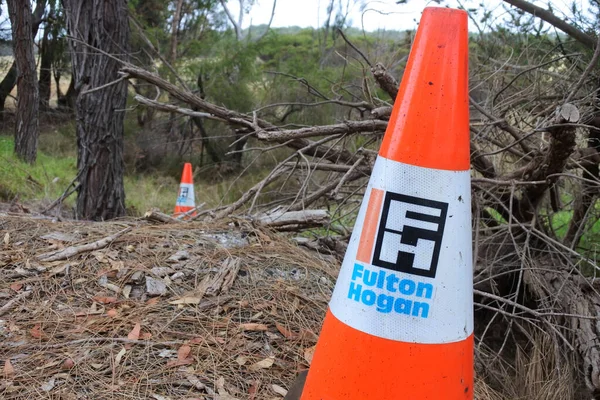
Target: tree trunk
{"points": [[100, 113], [589, 189], [175, 32], [66, 102], [10, 80], [45, 70], [27, 123]]}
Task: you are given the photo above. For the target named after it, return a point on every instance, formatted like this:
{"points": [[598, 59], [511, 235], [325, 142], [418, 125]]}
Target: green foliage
{"points": [[296, 53], [228, 72]]}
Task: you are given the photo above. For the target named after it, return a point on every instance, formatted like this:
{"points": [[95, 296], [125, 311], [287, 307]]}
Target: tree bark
{"points": [[98, 28], [175, 32], [27, 123], [589, 191], [45, 69], [10, 79], [237, 25]]}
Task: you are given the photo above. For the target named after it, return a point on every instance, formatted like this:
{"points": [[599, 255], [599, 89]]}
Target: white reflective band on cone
{"points": [[415, 299], [186, 195]]}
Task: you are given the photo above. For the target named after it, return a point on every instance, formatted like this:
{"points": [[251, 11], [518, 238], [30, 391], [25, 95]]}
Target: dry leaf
{"points": [[159, 397], [135, 332], [197, 340], [48, 386], [279, 390], [309, 353], [187, 300], [16, 286], [113, 287], [223, 395], [48, 365], [127, 291], [252, 390], [59, 269], [179, 363], [145, 335], [36, 332], [263, 364], [183, 352], [253, 327], [119, 356], [7, 238], [195, 381], [68, 364], [241, 360], [108, 273], [308, 335], [104, 299], [112, 312], [153, 301], [9, 370], [257, 315], [285, 332]]}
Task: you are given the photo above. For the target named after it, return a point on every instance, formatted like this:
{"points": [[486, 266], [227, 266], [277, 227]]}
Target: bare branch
{"points": [[482, 164], [328, 167], [236, 26], [372, 126], [172, 108], [75, 250], [502, 124], [555, 21], [175, 32], [354, 47], [385, 80], [155, 50], [332, 154], [270, 21], [593, 64]]}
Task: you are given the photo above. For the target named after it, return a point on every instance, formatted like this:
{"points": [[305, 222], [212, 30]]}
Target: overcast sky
{"points": [[384, 14]]}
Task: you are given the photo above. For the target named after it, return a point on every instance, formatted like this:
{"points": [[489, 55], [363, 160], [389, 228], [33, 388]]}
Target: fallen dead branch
{"points": [[157, 216], [304, 218], [13, 302], [75, 250]]}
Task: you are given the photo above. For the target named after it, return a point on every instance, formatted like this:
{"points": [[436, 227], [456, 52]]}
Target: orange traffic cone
{"points": [[400, 321], [185, 201]]}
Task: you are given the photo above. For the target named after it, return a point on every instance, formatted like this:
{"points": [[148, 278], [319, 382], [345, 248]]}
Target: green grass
{"points": [[46, 179], [56, 166]]}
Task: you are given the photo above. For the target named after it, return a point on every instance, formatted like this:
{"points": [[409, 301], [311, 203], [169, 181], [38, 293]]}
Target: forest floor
{"points": [[178, 311], [131, 309]]}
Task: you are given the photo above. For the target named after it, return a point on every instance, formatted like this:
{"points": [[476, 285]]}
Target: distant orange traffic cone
{"points": [[185, 201], [400, 321]]}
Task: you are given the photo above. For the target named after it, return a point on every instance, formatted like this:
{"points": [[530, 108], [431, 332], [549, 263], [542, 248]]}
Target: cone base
{"points": [[179, 210], [351, 365]]}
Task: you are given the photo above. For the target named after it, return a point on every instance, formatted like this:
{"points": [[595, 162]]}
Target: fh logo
{"points": [[410, 234], [183, 194]]}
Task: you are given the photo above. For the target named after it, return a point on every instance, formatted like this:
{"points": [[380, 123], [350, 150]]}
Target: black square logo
{"points": [[410, 234], [184, 192]]}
